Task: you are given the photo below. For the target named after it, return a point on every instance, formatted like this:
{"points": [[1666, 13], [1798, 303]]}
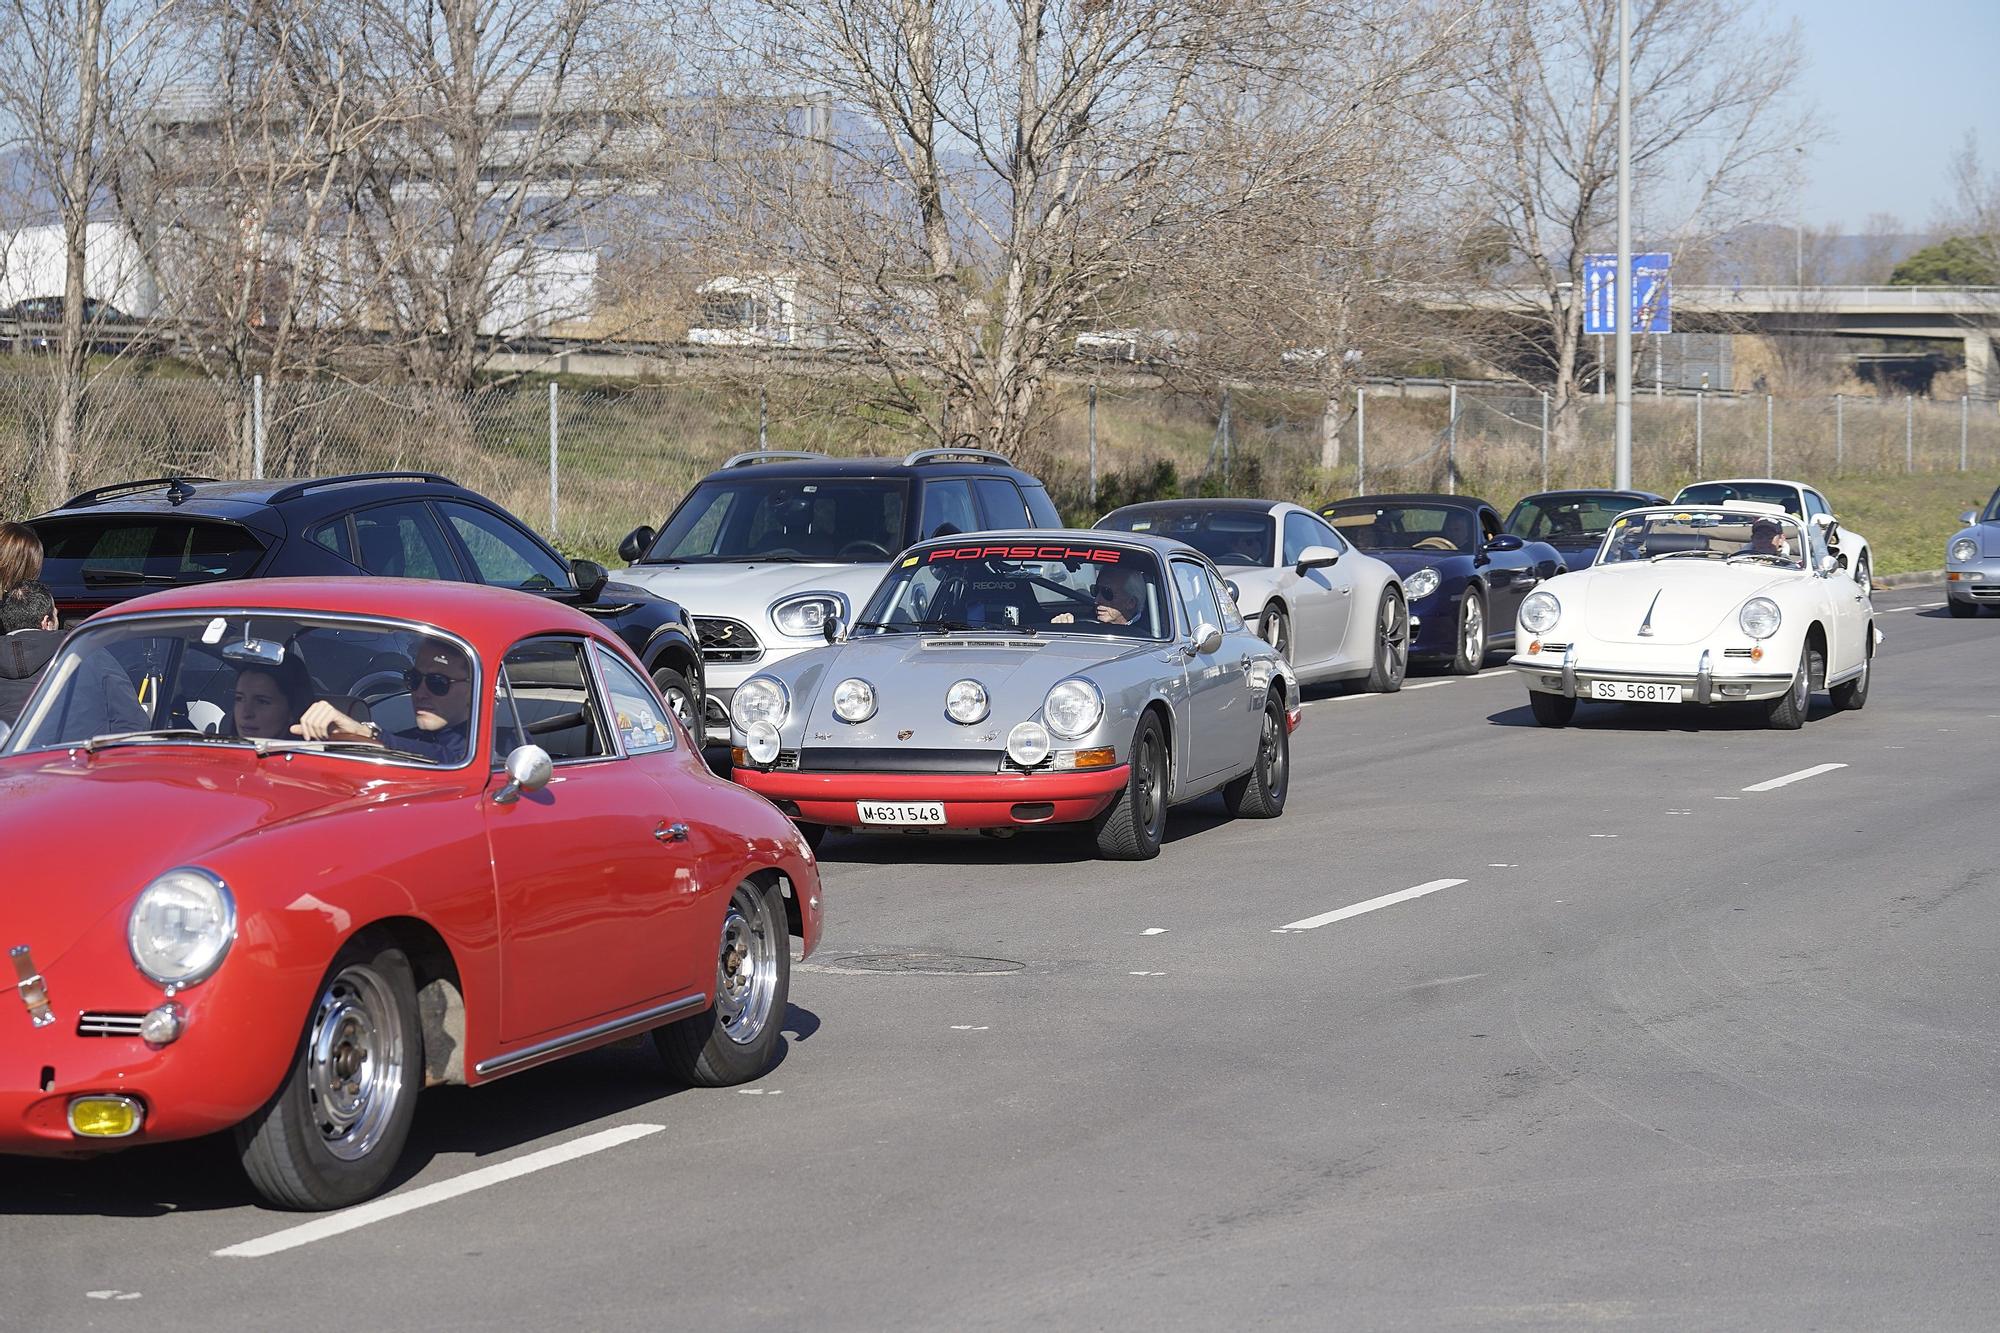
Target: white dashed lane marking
{"points": [[1373, 904], [1790, 778]]}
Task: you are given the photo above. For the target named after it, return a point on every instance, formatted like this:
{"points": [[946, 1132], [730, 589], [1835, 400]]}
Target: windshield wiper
{"points": [[101, 574], [1669, 555], [96, 743], [947, 625], [356, 747], [897, 625], [1772, 556]]}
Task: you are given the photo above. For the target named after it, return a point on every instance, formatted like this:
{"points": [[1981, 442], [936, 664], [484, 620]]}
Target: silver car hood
{"points": [[746, 590]]}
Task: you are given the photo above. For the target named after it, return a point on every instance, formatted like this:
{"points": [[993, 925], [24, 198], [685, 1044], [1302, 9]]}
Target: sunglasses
{"points": [[1105, 592], [434, 681]]}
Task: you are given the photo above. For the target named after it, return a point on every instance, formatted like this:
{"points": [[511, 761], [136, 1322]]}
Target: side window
{"points": [[402, 541], [1196, 594], [545, 698], [1816, 504], [333, 536], [636, 712], [1301, 531], [503, 555], [1489, 525], [948, 509], [1043, 509], [1001, 500], [1231, 619]]}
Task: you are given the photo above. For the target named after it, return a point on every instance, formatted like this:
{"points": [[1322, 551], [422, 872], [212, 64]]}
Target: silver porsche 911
{"points": [[1010, 679]]}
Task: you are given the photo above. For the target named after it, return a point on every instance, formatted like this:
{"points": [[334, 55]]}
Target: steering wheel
{"points": [[777, 551], [382, 683], [859, 549]]}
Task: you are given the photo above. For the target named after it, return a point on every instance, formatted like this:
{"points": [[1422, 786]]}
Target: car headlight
{"points": [[181, 926], [1539, 612], [1028, 744], [1073, 708], [759, 699], [854, 700], [806, 615], [1421, 584], [1760, 617], [1964, 551], [965, 702]]}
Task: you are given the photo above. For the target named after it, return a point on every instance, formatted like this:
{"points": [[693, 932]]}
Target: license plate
{"points": [[1635, 691], [900, 812]]}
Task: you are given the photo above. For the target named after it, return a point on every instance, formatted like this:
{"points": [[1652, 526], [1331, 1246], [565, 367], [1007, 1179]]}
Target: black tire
{"points": [[1392, 646], [1275, 628], [1961, 610], [1260, 793], [335, 1129], [1551, 710], [684, 699], [1853, 695], [1788, 711], [736, 1038], [814, 834], [1864, 574], [1469, 658], [1131, 827]]}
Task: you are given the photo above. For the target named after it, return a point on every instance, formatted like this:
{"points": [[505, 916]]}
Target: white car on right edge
{"points": [[1700, 604], [1801, 502]]}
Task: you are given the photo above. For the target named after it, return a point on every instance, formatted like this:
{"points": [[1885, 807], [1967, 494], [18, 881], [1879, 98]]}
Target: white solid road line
{"points": [[1790, 778], [1386, 900], [395, 1205]]}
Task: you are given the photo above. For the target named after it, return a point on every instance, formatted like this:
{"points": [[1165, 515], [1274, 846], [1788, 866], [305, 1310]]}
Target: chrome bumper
{"points": [[1572, 681]]}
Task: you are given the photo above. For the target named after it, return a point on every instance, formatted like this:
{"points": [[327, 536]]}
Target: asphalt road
{"points": [[1652, 1051]]}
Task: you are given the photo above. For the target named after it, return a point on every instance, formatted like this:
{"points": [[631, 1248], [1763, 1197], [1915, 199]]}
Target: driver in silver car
{"points": [[1120, 593]]}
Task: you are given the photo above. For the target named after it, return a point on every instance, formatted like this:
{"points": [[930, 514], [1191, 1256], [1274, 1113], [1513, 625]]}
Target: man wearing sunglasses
{"points": [[440, 682], [1120, 593]]}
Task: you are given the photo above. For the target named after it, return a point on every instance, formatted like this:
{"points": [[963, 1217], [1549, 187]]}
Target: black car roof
{"points": [[1593, 490], [1412, 497], [307, 497], [1229, 503], [787, 466]]}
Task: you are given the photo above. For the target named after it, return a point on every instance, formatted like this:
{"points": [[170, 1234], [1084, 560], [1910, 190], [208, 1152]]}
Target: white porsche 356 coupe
{"points": [[1732, 603]]}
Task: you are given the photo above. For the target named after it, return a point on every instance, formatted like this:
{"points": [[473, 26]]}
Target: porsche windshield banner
{"points": [[1052, 551]]}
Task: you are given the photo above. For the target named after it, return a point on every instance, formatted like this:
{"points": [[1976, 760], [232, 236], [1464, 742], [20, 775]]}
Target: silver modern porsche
{"points": [[1011, 679]]}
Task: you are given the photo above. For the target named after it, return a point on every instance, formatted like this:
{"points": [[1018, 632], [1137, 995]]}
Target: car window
{"points": [[948, 509], [333, 536], [636, 711], [820, 519], [1002, 502], [1404, 527], [402, 541], [1231, 619], [1489, 525], [1815, 503], [1042, 508], [112, 549], [1196, 594], [502, 555], [545, 698], [1721, 492], [1302, 531]]}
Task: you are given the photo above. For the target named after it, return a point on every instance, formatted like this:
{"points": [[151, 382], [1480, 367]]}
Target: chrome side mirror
{"points": [[1969, 518], [832, 628], [1207, 638], [529, 768], [1829, 564]]}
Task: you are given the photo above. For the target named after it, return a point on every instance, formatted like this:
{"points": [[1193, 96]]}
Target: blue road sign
{"points": [[1652, 293]]}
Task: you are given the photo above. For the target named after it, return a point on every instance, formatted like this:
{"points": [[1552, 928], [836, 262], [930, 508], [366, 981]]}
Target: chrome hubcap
{"points": [[1394, 639], [1278, 633], [354, 1059], [682, 705], [746, 971], [1475, 632]]}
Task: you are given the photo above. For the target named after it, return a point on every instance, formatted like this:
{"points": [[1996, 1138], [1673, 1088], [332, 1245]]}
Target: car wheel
{"points": [[1854, 693], [1471, 654], [335, 1129], [1863, 573], [1392, 646], [1131, 827], [1961, 610], [1260, 793], [1275, 628], [1551, 710], [735, 1039], [1787, 712], [683, 698], [814, 834]]}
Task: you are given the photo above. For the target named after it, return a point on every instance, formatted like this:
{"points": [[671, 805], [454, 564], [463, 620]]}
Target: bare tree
{"points": [[1534, 126]]}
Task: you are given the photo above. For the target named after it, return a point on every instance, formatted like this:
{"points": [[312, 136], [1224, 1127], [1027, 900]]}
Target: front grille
{"points": [[1738, 652], [96, 1024], [726, 640], [1549, 646]]}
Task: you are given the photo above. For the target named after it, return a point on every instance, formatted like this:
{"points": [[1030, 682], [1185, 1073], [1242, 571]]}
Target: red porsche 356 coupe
{"points": [[373, 835]]}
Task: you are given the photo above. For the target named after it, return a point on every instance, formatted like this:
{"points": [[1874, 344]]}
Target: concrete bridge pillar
{"points": [[1979, 377]]}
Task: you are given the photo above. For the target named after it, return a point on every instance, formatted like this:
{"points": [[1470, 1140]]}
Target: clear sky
{"points": [[1897, 83]]}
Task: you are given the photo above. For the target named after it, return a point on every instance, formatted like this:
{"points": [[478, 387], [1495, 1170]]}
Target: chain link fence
{"points": [[588, 464]]}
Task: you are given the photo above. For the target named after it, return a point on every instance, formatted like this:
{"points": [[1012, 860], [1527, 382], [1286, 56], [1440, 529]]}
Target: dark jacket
{"points": [[98, 701], [24, 656]]}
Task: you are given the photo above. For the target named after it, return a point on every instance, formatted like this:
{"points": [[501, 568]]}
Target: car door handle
{"points": [[671, 833]]}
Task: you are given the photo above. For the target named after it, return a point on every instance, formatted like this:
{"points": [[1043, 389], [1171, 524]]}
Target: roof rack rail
{"points": [[756, 456], [298, 488], [91, 497], [957, 456]]}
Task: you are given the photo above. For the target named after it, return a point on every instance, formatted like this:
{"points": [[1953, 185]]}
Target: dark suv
{"points": [[118, 542], [771, 546]]}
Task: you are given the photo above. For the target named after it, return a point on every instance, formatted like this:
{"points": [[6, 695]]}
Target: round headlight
{"points": [[1028, 744], [759, 699], [1760, 617], [1539, 612], [1073, 708], [965, 702], [854, 700], [804, 615], [1964, 551], [1421, 584], [761, 740], [181, 926]]}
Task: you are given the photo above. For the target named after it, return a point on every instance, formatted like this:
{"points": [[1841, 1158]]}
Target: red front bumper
{"points": [[971, 800]]}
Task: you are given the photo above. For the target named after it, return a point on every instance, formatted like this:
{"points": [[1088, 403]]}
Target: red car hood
{"points": [[84, 834]]}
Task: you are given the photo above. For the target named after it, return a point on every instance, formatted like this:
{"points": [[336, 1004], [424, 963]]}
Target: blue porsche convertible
{"points": [[1574, 522], [1464, 576]]}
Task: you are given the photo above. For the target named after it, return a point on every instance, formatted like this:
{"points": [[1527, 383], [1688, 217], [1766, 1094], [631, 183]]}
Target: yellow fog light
{"points": [[105, 1117], [1099, 758]]}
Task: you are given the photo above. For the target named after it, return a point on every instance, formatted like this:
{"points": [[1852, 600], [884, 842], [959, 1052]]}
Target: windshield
{"points": [[1053, 587], [833, 520], [1226, 536], [1399, 527], [1567, 520], [267, 680], [112, 549], [1709, 534], [1722, 492], [1992, 514]]}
